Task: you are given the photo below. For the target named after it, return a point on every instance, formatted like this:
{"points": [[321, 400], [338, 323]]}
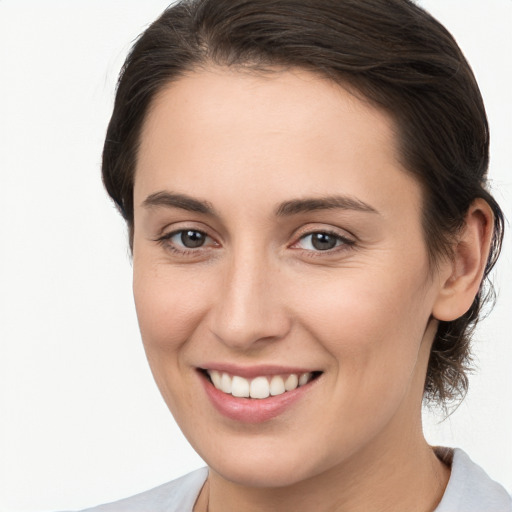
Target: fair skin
{"points": [[234, 272]]}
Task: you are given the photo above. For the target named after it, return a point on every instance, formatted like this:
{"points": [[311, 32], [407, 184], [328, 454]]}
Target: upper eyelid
{"points": [[344, 239], [296, 237], [327, 232], [165, 241], [331, 230], [171, 234], [177, 225], [168, 230]]}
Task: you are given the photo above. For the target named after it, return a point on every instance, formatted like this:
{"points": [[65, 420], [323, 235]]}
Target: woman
{"points": [[304, 187]]}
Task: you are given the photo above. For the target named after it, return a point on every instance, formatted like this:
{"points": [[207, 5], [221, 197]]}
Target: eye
{"points": [[189, 238], [185, 240], [322, 241]]}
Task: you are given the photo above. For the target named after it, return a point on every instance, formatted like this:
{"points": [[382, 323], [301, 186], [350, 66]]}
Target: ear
{"points": [[462, 275]]}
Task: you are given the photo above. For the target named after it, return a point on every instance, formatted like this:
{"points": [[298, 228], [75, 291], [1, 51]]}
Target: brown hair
{"points": [[393, 53]]}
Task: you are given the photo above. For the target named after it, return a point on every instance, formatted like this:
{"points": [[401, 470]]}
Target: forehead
{"points": [[280, 102], [287, 130]]}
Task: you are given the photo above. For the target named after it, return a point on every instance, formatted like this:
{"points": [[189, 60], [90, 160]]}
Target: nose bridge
{"points": [[249, 308]]}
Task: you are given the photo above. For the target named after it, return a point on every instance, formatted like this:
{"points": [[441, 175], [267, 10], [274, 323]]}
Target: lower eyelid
{"points": [[340, 239], [166, 241]]}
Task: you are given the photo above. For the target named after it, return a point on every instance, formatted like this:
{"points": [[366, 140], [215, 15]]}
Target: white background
{"points": [[81, 421]]}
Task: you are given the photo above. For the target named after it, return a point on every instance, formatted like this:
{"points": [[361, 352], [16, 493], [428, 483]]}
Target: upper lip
{"points": [[250, 372]]}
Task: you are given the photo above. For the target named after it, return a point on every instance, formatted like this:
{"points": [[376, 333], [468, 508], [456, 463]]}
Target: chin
{"points": [[271, 464], [271, 474]]}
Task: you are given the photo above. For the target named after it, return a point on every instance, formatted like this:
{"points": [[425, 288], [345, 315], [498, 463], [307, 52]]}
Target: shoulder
{"points": [[176, 496], [470, 489]]}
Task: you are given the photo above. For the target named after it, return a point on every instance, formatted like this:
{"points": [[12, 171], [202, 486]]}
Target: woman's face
{"points": [[277, 239]]}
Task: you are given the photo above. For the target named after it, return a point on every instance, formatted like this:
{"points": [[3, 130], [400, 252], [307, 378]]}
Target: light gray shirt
{"points": [[469, 490]]}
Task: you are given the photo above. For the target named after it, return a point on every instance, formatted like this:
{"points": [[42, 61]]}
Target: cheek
{"points": [[169, 304], [371, 325]]}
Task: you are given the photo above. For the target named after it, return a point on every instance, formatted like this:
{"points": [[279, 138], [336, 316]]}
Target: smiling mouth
{"points": [[259, 387]]}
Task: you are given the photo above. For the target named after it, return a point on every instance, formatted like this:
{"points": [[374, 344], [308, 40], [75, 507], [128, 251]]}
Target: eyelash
{"points": [[166, 242], [342, 243]]}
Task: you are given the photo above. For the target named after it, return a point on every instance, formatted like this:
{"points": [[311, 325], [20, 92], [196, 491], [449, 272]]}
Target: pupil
{"points": [[192, 239], [323, 241]]}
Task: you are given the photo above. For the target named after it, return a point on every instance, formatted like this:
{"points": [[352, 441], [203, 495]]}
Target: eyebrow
{"points": [[297, 206], [167, 199], [182, 201]]}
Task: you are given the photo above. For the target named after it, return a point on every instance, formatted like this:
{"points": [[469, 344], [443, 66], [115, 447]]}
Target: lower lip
{"points": [[253, 410]]}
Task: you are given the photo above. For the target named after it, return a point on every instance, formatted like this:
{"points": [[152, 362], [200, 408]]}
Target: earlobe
{"points": [[463, 276]]}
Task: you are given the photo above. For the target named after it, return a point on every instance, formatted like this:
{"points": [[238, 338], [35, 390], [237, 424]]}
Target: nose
{"points": [[250, 310]]}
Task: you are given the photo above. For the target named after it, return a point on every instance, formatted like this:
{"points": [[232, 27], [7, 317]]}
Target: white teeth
{"points": [[277, 386], [216, 379], [259, 387], [291, 382], [304, 379], [239, 387], [225, 383]]}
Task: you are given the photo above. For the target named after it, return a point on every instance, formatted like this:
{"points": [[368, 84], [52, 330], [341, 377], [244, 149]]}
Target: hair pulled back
{"points": [[392, 53]]}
